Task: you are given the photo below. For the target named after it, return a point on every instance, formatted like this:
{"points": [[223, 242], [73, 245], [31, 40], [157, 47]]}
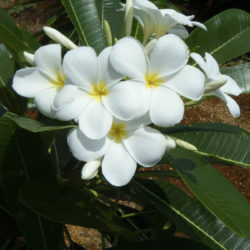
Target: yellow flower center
{"points": [[60, 80], [153, 80], [99, 90], [118, 132]]}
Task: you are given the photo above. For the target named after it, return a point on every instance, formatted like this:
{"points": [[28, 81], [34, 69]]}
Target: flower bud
{"points": [[90, 169], [30, 58], [108, 33], [129, 12], [59, 37], [215, 84], [185, 145]]}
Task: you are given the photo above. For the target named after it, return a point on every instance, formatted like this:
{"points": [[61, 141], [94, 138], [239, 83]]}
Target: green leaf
{"points": [[189, 215], [157, 174], [241, 74], [216, 193], [33, 125], [161, 4], [170, 243], [66, 205], [228, 35], [113, 13], [7, 68], [18, 40], [23, 158], [84, 16], [205, 126], [219, 141]]}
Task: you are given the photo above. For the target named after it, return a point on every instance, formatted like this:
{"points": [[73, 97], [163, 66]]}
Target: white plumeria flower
{"points": [[212, 70], [126, 144], [43, 81], [161, 21], [104, 94], [162, 77]]}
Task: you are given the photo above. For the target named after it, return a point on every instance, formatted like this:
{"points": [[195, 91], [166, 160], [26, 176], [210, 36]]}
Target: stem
{"points": [[135, 214]]}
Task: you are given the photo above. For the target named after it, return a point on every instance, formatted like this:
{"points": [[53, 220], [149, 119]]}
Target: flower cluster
{"points": [[113, 97]]}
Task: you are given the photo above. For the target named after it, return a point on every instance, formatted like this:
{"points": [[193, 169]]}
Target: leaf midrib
{"points": [[184, 217], [228, 41]]}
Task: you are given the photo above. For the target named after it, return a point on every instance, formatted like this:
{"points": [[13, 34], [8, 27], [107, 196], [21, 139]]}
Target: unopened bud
{"points": [[170, 143], [58, 37], [185, 145], [90, 169], [129, 12], [108, 33], [215, 84], [30, 58]]}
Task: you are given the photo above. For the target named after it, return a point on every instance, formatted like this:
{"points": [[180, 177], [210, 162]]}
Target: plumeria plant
{"points": [[91, 131]]}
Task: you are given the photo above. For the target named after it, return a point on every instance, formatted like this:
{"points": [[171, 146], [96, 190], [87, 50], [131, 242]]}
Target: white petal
{"points": [[106, 72], [166, 108], [150, 46], [81, 67], [128, 57], [232, 106], [189, 82], [146, 21], [138, 122], [95, 121], [146, 145], [230, 102], [44, 102], [179, 31], [29, 82], [231, 87], [213, 70], [169, 22], [85, 149], [198, 24], [69, 102], [118, 167], [48, 60], [169, 55], [144, 4], [123, 101], [200, 61]]}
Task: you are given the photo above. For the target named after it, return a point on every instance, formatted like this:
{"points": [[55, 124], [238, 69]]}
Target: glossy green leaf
{"points": [[113, 13], [228, 35], [205, 126], [23, 158], [241, 74], [66, 205], [84, 16], [170, 243], [216, 193], [222, 144], [33, 125], [189, 215], [157, 174], [7, 67], [18, 40]]}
